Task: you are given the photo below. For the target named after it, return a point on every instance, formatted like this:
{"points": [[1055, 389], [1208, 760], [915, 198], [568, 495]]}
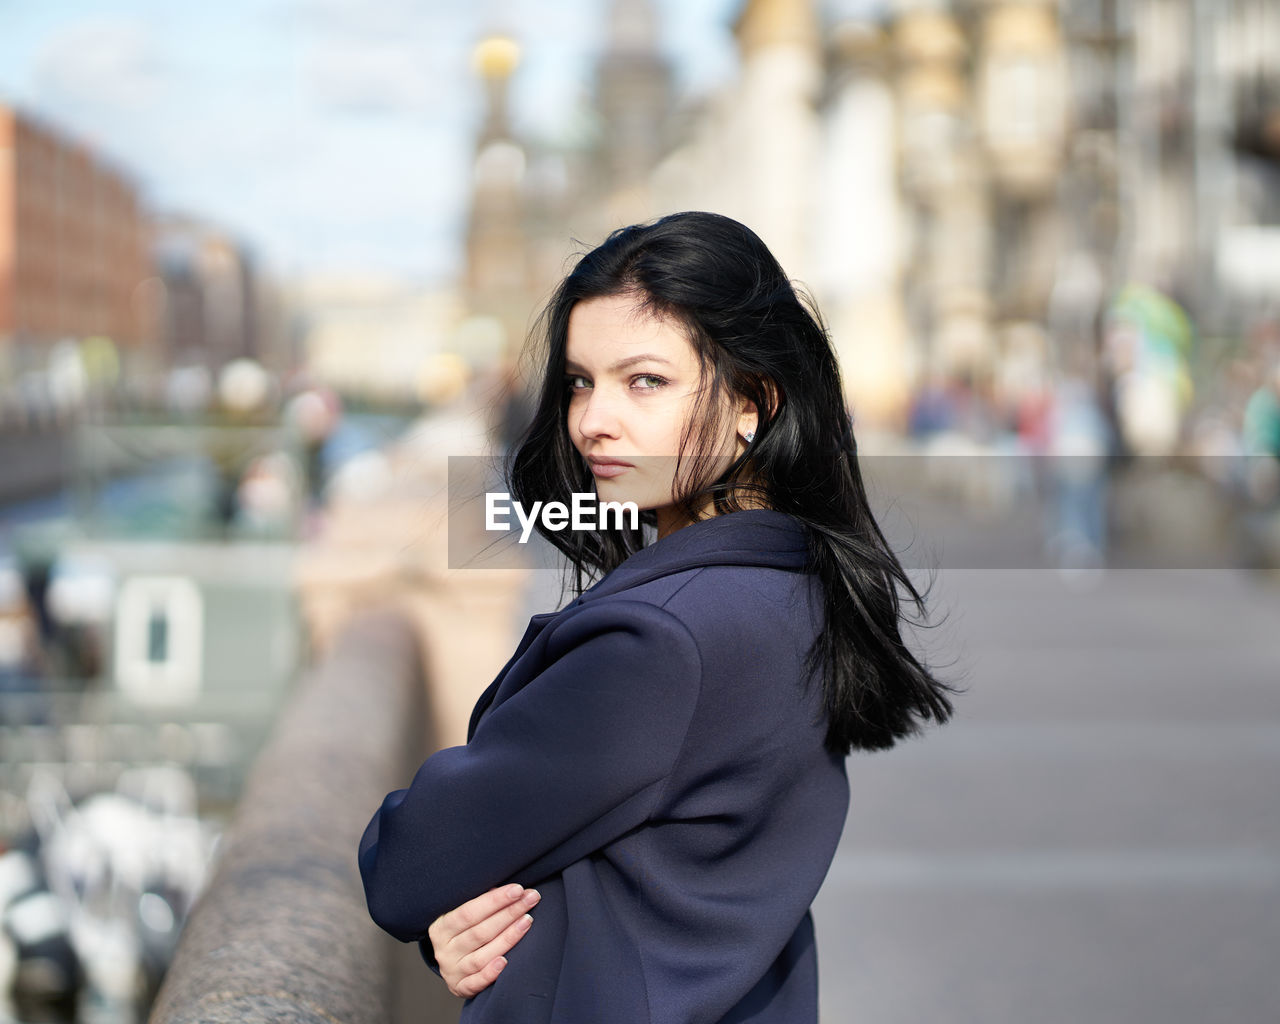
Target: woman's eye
{"points": [[641, 382]]}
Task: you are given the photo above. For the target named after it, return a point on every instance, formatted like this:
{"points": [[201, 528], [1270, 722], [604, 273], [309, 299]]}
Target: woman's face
{"points": [[633, 383]]}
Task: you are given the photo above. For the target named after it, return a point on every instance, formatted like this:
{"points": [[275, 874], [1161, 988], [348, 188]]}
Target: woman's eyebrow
{"points": [[621, 364]]}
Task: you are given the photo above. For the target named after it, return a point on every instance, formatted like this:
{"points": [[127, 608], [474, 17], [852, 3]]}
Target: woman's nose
{"points": [[599, 418]]}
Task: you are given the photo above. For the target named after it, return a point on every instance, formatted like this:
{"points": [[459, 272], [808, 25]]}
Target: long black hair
{"points": [[755, 338]]}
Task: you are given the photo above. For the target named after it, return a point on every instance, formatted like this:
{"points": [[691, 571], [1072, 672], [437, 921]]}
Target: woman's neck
{"points": [[672, 518]]}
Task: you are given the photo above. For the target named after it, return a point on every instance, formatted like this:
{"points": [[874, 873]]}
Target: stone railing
{"points": [[282, 932]]}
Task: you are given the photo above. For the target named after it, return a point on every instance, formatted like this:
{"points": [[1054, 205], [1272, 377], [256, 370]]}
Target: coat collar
{"points": [[757, 536], [763, 537]]}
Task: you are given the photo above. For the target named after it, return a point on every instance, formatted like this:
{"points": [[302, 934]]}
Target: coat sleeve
{"points": [[571, 761]]}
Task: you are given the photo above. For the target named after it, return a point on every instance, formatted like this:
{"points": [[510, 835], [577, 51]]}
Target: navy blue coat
{"points": [[651, 760]]}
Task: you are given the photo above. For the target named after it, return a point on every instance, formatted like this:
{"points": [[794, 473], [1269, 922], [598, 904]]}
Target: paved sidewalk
{"points": [[1096, 837]]}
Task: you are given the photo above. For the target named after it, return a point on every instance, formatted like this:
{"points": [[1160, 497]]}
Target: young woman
{"points": [[664, 758]]}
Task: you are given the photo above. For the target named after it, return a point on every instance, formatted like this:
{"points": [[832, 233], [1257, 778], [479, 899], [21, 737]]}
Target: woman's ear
{"points": [[748, 413], [748, 418]]}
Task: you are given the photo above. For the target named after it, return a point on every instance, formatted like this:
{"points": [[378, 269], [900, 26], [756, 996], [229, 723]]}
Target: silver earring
{"points": [[749, 436]]}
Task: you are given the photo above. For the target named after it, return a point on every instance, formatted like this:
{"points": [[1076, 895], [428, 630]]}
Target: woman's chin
{"points": [[617, 490], [614, 490]]}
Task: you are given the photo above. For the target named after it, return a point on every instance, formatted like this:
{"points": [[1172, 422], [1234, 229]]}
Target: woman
{"points": [[664, 757]]}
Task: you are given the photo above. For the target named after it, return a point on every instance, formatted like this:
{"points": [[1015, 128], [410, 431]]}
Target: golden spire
{"points": [[772, 22], [496, 57]]}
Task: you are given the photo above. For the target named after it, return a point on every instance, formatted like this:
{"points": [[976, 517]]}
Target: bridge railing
{"points": [[282, 933]]}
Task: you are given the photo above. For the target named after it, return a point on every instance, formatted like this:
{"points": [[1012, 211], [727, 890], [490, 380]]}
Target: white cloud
{"points": [[372, 77], [103, 63], [357, 20]]}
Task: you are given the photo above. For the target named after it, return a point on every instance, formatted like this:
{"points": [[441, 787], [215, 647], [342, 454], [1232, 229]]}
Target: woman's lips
{"points": [[609, 469], [606, 467]]}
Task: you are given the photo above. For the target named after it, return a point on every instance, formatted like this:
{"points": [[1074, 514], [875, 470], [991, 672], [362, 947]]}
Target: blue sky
{"points": [[327, 134]]}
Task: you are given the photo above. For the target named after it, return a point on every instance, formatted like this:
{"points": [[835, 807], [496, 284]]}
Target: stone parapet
{"points": [[282, 932]]}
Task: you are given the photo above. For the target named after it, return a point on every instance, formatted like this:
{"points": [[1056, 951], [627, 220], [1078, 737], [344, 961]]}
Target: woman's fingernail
{"points": [[502, 962], [526, 920], [514, 891], [532, 896]]}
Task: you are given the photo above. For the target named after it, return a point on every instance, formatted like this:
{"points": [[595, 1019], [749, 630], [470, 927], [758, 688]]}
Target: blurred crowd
{"points": [[1149, 400]]}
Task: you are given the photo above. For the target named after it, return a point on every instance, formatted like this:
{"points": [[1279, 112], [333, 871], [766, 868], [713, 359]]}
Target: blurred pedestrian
{"points": [[21, 658], [1079, 446], [1261, 430], [933, 408], [1260, 438]]}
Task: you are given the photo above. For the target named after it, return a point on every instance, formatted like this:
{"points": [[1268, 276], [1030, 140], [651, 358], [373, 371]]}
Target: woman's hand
{"points": [[469, 942]]}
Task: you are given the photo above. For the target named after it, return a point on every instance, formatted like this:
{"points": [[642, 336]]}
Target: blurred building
{"points": [[1078, 146], [634, 102], [956, 181], [210, 302], [498, 282], [380, 339], [981, 91], [72, 248], [800, 147], [534, 204]]}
